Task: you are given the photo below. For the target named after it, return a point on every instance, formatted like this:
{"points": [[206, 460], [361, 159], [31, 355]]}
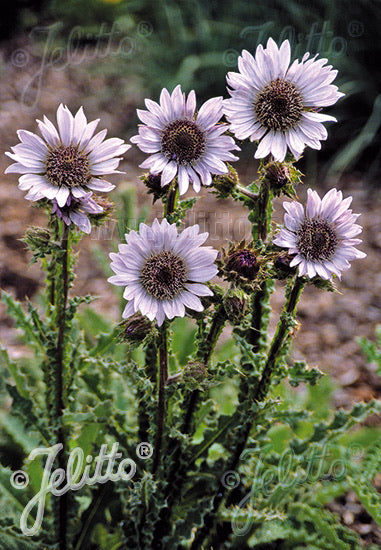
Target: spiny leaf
{"points": [[100, 413], [300, 372], [23, 321], [368, 496], [371, 464], [24, 408], [18, 376], [341, 421]]}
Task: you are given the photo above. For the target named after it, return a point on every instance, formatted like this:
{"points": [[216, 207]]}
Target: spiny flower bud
{"points": [[277, 175], [153, 184], [235, 304], [135, 329], [195, 375], [243, 262], [108, 208], [224, 185], [281, 176], [282, 266], [37, 237]]}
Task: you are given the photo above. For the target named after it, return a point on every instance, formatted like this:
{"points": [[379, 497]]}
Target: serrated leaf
{"points": [[301, 372], [342, 420], [371, 464], [101, 412], [368, 496], [24, 408], [18, 376], [23, 321]]}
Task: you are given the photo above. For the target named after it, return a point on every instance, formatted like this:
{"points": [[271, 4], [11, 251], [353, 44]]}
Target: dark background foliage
{"points": [[195, 43]]}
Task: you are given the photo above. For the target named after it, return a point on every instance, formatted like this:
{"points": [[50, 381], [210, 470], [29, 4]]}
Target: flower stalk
{"points": [[61, 304], [286, 322]]}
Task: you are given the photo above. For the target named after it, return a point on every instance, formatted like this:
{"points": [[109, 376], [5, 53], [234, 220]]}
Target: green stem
{"points": [[207, 346], [177, 472], [172, 197], [61, 302], [286, 322], [247, 193], [163, 377], [51, 266], [257, 334], [282, 333], [203, 355], [263, 211], [146, 409]]}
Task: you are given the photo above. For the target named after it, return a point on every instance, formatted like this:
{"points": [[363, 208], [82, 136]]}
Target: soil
{"points": [[330, 323]]}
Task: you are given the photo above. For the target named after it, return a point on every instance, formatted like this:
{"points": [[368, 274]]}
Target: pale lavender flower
{"points": [[65, 163], [182, 144], [75, 210], [276, 103], [163, 270], [322, 238]]}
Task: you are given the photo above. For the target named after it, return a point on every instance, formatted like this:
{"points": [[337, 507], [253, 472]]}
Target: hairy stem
{"points": [[172, 197], [178, 470], [145, 409], [257, 334], [203, 354], [163, 377], [247, 193], [282, 333], [61, 304], [263, 211]]}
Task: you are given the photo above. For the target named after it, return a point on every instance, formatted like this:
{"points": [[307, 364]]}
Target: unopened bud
{"points": [[243, 262], [37, 238], [108, 208], [225, 184], [153, 184], [282, 266], [135, 329], [235, 304], [195, 375], [278, 175], [281, 177]]}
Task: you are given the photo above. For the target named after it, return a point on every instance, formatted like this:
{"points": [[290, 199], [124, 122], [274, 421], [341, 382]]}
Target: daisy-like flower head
{"points": [[276, 103], [65, 163], [322, 238], [182, 144], [163, 271], [75, 210]]}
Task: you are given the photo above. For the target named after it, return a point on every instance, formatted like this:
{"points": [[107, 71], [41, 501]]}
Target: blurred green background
{"points": [[165, 42]]}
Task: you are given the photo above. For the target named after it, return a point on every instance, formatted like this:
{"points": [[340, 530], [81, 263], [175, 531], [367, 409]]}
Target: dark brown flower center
{"points": [[316, 239], [183, 141], [279, 105], [163, 275], [65, 165]]}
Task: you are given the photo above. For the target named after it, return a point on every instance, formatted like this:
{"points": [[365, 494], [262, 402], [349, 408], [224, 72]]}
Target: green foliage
{"points": [[372, 350], [246, 451]]}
